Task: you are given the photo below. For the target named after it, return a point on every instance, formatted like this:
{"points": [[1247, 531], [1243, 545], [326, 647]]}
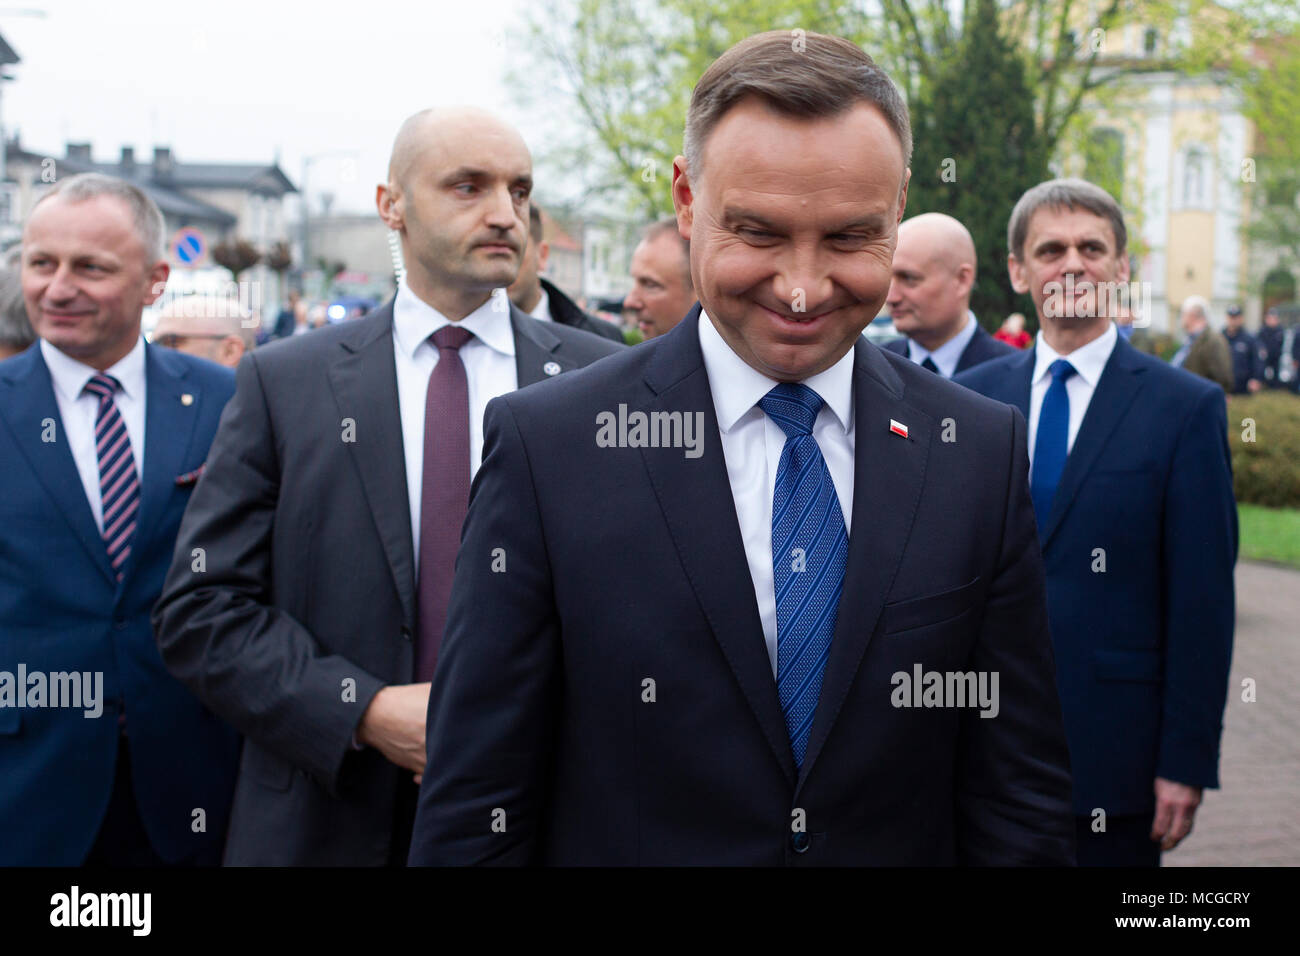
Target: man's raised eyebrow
{"points": [[871, 223], [735, 214]]}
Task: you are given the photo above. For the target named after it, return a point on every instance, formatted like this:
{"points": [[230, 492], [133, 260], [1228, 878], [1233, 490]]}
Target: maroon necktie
{"points": [[444, 494]]}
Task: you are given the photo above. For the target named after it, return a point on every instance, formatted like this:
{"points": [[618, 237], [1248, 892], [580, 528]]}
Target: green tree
{"points": [[977, 149]]}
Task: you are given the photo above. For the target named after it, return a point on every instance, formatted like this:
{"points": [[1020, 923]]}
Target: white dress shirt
{"points": [[542, 310], [946, 356], [78, 408], [1088, 362], [752, 444], [489, 359]]}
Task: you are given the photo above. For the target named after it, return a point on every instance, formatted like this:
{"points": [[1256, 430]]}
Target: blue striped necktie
{"points": [[1051, 443], [119, 486], [809, 551]]}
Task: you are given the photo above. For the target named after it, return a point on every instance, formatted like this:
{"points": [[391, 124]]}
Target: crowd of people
{"points": [[468, 580]]}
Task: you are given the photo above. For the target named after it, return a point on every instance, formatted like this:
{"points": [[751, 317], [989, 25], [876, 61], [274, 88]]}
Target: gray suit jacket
{"points": [[291, 599]]}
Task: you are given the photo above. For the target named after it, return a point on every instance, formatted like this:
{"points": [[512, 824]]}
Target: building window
{"points": [[1196, 178], [1149, 40]]}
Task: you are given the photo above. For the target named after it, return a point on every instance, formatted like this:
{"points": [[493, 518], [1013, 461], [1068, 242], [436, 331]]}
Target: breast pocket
{"points": [[931, 609]]}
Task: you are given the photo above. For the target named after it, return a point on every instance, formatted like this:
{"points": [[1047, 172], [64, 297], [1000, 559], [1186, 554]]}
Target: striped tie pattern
{"points": [[119, 486], [810, 548]]}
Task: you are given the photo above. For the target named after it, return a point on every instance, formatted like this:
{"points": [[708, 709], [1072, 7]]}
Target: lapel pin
{"points": [[187, 399], [551, 368], [898, 428]]}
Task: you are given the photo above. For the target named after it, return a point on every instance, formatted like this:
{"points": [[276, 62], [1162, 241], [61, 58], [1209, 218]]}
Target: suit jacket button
{"points": [[406, 633], [800, 841]]}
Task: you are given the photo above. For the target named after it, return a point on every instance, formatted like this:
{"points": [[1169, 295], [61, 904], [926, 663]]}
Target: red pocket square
{"points": [[190, 477]]}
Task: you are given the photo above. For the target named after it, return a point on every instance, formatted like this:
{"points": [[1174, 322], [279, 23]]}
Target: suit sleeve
{"points": [[1013, 802], [248, 661], [1200, 546], [496, 693]]}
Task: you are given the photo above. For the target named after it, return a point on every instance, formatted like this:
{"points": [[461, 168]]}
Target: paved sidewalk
{"points": [[1254, 820]]}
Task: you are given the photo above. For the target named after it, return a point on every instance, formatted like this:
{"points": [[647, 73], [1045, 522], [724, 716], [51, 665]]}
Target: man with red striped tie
{"points": [[105, 759]]}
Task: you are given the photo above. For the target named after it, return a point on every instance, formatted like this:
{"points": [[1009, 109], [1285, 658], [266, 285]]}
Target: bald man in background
{"points": [[330, 512], [218, 329], [929, 297]]}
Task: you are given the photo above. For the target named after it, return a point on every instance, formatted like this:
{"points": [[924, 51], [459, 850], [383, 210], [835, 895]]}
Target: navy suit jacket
{"points": [[981, 348], [62, 610], [1142, 648], [574, 723]]}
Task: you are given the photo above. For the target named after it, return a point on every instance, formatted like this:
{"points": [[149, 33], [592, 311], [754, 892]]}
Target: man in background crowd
{"points": [[542, 299], [662, 288], [1132, 488], [15, 330], [1247, 355], [1271, 339], [103, 438], [1206, 352], [288, 316], [929, 297], [217, 329]]}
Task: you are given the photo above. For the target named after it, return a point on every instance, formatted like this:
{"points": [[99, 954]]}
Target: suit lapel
{"points": [[29, 406], [169, 429], [691, 491], [1119, 385], [886, 468], [537, 349], [364, 380]]}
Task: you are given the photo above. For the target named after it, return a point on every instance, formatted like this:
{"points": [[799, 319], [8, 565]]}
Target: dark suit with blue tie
{"points": [[981, 348], [574, 723], [62, 609], [1143, 646]]}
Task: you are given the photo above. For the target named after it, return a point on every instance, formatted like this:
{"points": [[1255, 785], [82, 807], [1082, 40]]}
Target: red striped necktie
{"points": [[119, 485]]}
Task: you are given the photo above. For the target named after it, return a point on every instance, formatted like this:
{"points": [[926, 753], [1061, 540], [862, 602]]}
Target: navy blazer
{"points": [[1143, 647], [62, 610], [981, 348], [571, 722]]}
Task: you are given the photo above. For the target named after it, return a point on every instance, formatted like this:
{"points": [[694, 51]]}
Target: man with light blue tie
{"points": [[1132, 489], [796, 549], [103, 438]]}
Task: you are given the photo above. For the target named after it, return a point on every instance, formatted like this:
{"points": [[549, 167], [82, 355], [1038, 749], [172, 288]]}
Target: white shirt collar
{"points": [[1089, 360], [414, 320], [737, 387], [542, 310], [946, 356], [70, 376]]}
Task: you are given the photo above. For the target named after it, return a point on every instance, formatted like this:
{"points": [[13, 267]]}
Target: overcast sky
{"points": [[239, 79]]}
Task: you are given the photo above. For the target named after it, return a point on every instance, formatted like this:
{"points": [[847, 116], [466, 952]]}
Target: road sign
{"points": [[188, 246]]}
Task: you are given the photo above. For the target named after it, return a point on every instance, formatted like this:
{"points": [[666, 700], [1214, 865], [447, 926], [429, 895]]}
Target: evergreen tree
{"points": [[976, 151]]}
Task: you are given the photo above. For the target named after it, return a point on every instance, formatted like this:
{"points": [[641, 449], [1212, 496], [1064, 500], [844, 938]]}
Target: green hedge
{"points": [[1266, 471]]}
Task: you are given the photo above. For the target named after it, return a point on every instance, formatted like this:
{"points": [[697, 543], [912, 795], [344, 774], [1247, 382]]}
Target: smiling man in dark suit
{"points": [[333, 502], [1132, 485], [806, 549], [102, 437]]}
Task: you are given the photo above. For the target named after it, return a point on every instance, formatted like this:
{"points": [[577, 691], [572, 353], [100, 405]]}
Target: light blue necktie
{"points": [[809, 550], [1051, 445]]}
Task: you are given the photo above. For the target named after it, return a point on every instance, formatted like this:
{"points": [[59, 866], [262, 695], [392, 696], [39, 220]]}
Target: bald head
{"points": [[942, 238], [933, 273], [217, 328], [430, 134], [459, 180]]}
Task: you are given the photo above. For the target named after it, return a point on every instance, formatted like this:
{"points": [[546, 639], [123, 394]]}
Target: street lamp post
{"points": [[307, 163]]}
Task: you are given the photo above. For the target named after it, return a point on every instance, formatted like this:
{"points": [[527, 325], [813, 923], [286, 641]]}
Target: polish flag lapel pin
{"points": [[898, 428]]}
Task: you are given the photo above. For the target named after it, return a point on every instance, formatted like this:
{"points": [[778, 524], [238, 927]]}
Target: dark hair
{"points": [[664, 227], [534, 222], [796, 73], [1064, 194]]}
